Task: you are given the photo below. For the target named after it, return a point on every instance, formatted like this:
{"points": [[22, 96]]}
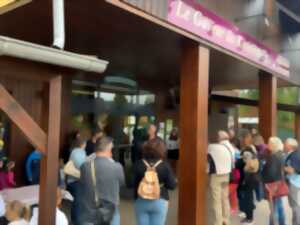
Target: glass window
{"points": [[169, 126], [108, 97], [161, 133]]}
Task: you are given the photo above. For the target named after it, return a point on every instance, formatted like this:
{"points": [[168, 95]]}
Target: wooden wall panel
{"points": [[15, 112], [154, 7], [25, 81], [28, 94]]}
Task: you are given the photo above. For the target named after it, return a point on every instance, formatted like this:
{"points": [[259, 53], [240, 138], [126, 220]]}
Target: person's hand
{"points": [[10, 165], [1, 164], [289, 170]]}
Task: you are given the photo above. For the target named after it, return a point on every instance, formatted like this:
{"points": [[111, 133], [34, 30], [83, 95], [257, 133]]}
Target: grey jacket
{"points": [[109, 178]]}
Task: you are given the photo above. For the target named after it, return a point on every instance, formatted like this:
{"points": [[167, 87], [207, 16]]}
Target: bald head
{"points": [[223, 136]]}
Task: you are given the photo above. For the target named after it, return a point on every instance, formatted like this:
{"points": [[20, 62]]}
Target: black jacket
{"points": [[247, 179], [273, 167], [293, 160], [165, 175]]}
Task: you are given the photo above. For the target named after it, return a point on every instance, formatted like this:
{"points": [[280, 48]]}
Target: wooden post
{"points": [[193, 129], [49, 163], [297, 125], [267, 105]]}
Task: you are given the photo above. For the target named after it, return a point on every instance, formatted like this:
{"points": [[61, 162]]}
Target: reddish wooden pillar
{"points": [[267, 105], [49, 163], [193, 129]]}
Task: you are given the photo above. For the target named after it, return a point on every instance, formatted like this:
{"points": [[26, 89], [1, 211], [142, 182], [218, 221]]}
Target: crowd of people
{"points": [[94, 180], [243, 170], [97, 191]]}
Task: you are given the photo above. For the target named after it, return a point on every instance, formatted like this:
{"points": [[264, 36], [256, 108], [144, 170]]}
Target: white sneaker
{"points": [[242, 215]]}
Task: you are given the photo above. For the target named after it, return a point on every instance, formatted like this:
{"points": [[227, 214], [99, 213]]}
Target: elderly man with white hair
{"points": [[273, 172], [292, 170], [221, 162]]}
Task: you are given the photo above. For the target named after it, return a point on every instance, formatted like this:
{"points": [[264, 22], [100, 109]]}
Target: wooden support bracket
{"points": [[36, 136]]}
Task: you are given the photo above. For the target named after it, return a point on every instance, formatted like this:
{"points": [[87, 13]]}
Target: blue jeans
{"points": [[116, 218], [278, 212], [151, 212], [73, 188], [259, 192]]}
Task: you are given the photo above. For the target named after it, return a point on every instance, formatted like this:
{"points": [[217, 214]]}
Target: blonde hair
{"points": [[21, 210], [275, 144]]}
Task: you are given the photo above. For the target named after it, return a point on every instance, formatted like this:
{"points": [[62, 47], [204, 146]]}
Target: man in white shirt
{"points": [[220, 165], [61, 218]]}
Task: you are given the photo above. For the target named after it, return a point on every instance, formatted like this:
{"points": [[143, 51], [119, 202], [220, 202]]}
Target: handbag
{"points": [[71, 170], [104, 209], [277, 189]]}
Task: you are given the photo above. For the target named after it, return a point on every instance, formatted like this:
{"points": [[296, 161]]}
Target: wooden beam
{"points": [[36, 136], [49, 163], [32, 71], [193, 126], [267, 105], [269, 8], [251, 102]]}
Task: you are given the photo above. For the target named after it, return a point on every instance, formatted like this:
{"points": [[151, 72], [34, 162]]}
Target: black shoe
{"points": [[247, 222]]}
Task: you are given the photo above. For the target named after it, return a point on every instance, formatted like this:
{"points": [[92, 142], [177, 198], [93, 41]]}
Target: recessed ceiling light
{"points": [[6, 2]]}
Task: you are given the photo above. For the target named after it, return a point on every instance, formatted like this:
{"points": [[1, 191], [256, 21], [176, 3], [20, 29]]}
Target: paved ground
{"points": [[261, 213]]}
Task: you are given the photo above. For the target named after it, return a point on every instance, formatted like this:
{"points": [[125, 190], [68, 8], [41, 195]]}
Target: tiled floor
{"points": [[261, 213]]}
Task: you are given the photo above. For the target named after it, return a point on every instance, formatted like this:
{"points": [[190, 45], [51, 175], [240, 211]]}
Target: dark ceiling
{"points": [[135, 48]]}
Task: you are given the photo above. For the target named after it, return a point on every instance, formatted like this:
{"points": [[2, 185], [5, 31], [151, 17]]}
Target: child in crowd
{"points": [[6, 169], [17, 213], [61, 218]]}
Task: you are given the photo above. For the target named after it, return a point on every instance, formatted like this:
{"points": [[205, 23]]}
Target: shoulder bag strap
{"points": [[147, 164], [287, 159], [157, 164], [231, 156], [152, 167], [93, 173]]}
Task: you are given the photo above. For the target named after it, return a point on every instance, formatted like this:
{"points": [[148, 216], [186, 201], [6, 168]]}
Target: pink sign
{"points": [[196, 19]]}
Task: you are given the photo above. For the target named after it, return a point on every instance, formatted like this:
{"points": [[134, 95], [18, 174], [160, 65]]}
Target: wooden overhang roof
{"points": [[136, 44]]}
